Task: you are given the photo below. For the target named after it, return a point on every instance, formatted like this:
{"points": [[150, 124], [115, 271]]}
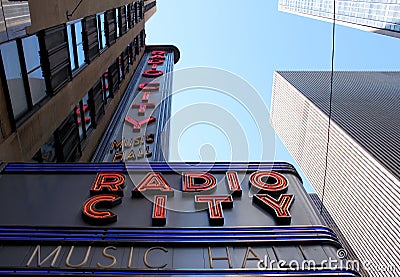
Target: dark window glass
{"points": [[136, 45], [86, 112], [96, 102], [130, 54], [71, 46], [101, 32], [121, 73], [67, 143], [36, 80], [134, 12], [127, 16], [122, 20], [79, 44], [55, 57], [15, 84], [117, 22], [113, 77], [110, 27], [75, 44], [83, 117], [47, 153], [105, 85]]}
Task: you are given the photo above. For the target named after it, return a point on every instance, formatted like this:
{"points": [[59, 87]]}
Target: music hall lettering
{"points": [[132, 256]]}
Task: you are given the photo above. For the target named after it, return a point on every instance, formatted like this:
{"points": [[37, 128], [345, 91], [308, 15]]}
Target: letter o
{"points": [[268, 181]]}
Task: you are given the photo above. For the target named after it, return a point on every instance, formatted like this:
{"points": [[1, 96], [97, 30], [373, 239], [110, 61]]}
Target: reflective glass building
{"points": [[379, 16]]}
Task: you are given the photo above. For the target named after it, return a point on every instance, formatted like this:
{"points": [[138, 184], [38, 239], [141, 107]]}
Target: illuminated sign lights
{"points": [[147, 88], [153, 182], [268, 182], [112, 183], [108, 187], [198, 181], [142, 107], [279, 207], [91, 213], [159, 217], [215, 204], [137, 125], [157, 59], [234, 186]]}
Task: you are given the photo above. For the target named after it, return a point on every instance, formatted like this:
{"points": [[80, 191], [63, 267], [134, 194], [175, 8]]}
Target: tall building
{"points": [[363, 171], [350, 254], [378, 16], [64, 74]]}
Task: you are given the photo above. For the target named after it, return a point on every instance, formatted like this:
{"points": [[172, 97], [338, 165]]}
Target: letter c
{"points": [[147, 253]]}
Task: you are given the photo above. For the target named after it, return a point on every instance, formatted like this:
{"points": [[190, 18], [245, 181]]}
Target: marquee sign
{"points": [[159, 218], [108, 189], [135, 135]]}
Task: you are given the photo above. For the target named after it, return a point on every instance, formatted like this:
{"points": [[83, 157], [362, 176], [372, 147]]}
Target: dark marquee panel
{"points": [[161, 218]]}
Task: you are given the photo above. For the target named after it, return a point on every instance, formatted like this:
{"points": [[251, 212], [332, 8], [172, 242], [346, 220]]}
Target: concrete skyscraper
{"points": [[363, 171], [378, 16]]}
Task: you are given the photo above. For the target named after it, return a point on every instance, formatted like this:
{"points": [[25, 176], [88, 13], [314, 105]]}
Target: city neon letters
{"points": [[107, 192]]}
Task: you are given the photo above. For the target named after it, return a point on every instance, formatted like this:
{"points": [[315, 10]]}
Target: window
{"points": [[142, 37], [47, 153], [66, 140], [126, 59], [105, 86], [141, 10], [136, 46], [122, 20], [55, 57], [12, 69], [96, 103], [134, 14], [131, 57], [36, 80], [102, 31], [26, 85], [110, 27], [118, 22], [128, 16], [62, 146], [113, 78], [83, 116], [121, 73], [75, 44]]}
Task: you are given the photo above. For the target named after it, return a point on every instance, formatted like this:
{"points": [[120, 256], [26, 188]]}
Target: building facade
{"points": [[64, 75], [350, 254], [14, 17], [378, 16], [363, 176]]}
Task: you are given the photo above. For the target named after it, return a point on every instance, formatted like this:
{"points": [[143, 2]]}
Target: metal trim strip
{"points": [[183, 272]]}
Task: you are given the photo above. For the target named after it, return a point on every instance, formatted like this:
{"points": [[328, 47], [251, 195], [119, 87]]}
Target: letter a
{"points": [[153, 183]]}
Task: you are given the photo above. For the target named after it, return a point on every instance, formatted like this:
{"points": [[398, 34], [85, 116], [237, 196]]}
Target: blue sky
{"points": [[252, 39]]}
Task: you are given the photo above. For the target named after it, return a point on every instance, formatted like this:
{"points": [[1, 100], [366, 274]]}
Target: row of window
{"points": [[40, 65], [67, 142]]}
